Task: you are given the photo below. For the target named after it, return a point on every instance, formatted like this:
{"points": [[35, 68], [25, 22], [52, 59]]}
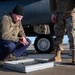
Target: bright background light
{"points": [[65, 39]]}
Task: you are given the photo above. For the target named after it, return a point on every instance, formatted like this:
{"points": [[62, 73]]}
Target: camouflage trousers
{"points": [[63, 25]]}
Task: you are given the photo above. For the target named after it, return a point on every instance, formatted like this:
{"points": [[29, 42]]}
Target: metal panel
{"points": [[36, 11], [28, 65]]}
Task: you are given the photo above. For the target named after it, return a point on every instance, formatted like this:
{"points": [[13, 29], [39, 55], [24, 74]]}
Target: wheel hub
{"points": [[43, 44]]}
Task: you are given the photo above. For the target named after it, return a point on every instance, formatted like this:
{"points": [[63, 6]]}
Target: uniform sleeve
{"points": [[21, 31], [6, 31], [52, 6]]}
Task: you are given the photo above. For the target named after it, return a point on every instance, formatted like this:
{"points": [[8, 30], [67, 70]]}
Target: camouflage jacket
{"points": [[61, 6], [10, 30]]}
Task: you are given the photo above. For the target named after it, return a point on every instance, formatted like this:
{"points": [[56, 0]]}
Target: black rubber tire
{"points": [[44, 44]]}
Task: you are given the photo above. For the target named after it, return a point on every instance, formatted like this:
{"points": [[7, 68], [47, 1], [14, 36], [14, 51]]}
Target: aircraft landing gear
{"points": [[44, 43]]}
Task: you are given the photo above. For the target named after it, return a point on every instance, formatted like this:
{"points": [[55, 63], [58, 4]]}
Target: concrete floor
{"points": [[64, 68]]}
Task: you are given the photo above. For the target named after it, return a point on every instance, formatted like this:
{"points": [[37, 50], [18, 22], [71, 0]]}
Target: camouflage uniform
{"points": [[65, 12]]}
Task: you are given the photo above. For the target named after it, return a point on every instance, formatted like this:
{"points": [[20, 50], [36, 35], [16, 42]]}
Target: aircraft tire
{"points": [[44, 44]]}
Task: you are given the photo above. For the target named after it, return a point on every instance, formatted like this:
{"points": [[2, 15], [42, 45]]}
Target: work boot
{"points": [[61, 48], [73, 57], [72, 47], [57, 58], [1, 63], [10, 57]]}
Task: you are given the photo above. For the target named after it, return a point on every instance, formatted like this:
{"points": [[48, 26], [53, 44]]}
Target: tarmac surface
{"points": [[64, 68]]}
